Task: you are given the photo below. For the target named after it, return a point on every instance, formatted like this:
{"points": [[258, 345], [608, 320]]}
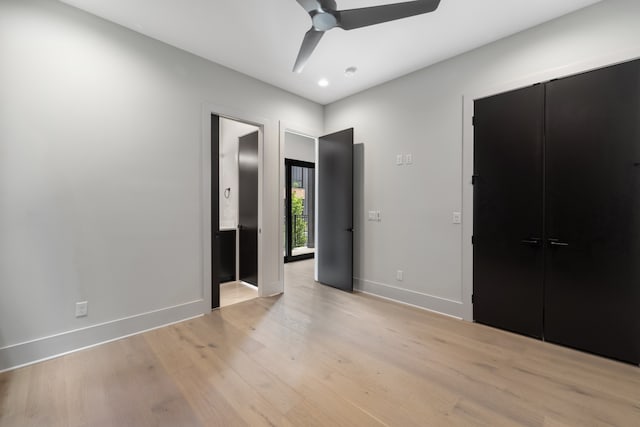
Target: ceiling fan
{"points": [[325, 17]]}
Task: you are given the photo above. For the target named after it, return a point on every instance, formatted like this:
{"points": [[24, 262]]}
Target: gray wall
{"points": [[422, 114], [101, 168], [299, 147]]}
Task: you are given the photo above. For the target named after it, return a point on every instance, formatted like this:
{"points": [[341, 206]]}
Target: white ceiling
{"points": [[261, 38]]}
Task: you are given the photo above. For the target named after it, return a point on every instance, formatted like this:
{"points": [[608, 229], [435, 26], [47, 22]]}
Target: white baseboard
{"points": [[26, 353], [405, 296]]}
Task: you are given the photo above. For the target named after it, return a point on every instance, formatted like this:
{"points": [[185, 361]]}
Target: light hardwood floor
{"points": [[319, 357], [235, 292]]}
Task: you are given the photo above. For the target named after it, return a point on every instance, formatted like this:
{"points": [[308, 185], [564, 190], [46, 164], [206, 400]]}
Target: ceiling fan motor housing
{"points": [[324, 21]]}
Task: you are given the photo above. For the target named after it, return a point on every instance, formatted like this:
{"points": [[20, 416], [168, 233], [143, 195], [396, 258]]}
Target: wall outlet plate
{"points": [[399, 159], [408, 159], [399, 275], [82, 309], [457, 218]]}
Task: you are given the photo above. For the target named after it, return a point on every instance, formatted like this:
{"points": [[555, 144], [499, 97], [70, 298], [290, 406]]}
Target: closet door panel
{"points": [[592, 279], [507, 251]]}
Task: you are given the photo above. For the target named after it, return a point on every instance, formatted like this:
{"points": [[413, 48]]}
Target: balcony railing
{"points": [[300, 230]]}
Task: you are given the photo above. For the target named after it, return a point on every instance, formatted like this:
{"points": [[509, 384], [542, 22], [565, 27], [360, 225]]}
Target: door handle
{"points": [[533, 241], [558, 243]]}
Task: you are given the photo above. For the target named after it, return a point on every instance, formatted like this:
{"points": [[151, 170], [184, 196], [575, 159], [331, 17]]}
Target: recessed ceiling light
{"points": [[350, 71], [323, 82]]}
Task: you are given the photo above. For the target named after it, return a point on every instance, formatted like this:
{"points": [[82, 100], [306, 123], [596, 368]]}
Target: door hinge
{"points": [[473, 299], [473, 240], [474, 179], [473, 121]]}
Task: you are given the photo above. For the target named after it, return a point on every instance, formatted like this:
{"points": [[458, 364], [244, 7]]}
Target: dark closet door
{"points": [[335, 210], [248, 207], [507, 252], [592, 299]]}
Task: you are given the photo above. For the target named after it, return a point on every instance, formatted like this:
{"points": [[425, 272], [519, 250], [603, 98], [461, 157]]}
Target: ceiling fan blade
{"points": [[308, 5], [309, 43], [328, 4], [363, 17]]}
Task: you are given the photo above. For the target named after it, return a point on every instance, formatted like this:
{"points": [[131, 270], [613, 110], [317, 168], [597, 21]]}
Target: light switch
{"points": [[408, 159], [372, 216], [457, 218], [399, 160], [378, 216]]}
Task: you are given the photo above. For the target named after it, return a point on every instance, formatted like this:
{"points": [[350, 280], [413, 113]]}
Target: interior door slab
{"points": [[592, 297], [248, 207], [507, 251], [335, 210]]}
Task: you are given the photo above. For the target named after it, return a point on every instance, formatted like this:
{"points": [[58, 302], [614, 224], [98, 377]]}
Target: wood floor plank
{"points": [[45, 399], [390, 355], [235, 292], [285, 359], [232, 348], [86, 394], [315, 356], [129, 364], [220, 376], [14, 392]]}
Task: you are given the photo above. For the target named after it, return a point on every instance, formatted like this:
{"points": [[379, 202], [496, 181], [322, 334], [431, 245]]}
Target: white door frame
{"points": [[266, 134], [288, 127], [467, 147]]}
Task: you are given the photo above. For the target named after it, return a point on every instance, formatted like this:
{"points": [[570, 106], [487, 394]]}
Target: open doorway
{"points": [[299, 214], [300, 210], [236, 237], [319, 225], [300, 195]]}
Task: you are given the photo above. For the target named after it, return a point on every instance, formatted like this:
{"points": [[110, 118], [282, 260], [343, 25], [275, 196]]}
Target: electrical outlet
{"points": [[408, 159], [82, 309], [399, 275], [399, 159], [457, 218]]}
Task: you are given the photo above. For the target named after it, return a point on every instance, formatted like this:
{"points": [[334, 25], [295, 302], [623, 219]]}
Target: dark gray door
{"points": [[335, 210], [592, 296], [508, 262], [248, 207], [215, 211]]}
